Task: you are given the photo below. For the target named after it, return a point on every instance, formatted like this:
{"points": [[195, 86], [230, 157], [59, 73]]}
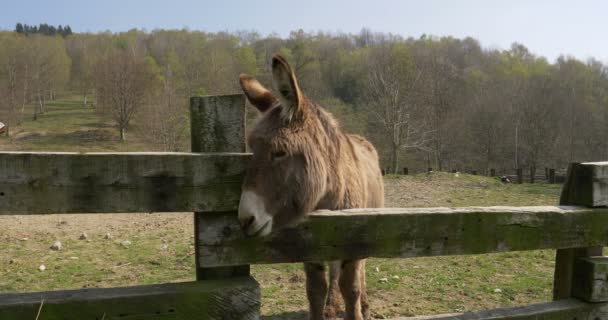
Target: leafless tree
{"points": [[391, 97], [122, 83]]}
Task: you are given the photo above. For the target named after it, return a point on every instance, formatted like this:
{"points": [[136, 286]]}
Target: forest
{"points": [[439, 102]]}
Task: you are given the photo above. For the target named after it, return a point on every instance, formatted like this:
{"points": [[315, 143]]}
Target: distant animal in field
{"points": [[303, 161]]}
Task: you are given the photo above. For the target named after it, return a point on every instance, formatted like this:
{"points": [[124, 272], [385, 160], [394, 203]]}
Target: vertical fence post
{"points": [[576, 190], [551, 176], [217, 124], [405, 171], [532, 174], [492, 172], [520, 175]]}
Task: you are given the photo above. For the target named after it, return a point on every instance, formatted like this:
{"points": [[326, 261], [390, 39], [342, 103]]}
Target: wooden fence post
{"points": [[532, 174], [576, 191], [217, 124], [551, 176], [520, 175], [405, 171]]}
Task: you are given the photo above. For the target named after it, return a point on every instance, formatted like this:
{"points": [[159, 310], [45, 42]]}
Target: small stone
{"points": [[56, 246], [108, 236], [377, 269], [383, 280], [42, 267], [497, 290], [24, 239], [396, 277], [164, 247], [126, 243], [456, 175], [83, 236], [73, 258]]}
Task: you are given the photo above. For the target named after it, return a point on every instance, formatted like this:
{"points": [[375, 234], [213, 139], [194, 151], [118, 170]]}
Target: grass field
{"points": [[161, 244]]}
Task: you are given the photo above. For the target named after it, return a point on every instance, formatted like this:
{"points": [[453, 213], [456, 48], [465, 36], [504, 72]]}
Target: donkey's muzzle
{"points": [[253, 217]]}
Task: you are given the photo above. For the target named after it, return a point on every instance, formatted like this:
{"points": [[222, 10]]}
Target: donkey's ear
{"points": [[260, 97], [287, 87]]}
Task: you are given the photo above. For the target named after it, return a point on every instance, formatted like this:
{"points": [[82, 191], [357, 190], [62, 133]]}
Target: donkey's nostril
{"points": [[245, 223]]}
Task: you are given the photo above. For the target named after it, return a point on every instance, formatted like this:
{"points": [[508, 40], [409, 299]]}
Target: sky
{"points": [[547, 27]]}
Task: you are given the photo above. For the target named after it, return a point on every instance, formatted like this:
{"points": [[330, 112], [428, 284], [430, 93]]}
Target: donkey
{"points": [[302, 161]]}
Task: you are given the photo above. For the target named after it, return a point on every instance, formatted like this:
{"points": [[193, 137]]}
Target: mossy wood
{"points": [[38, 182], [586, 184], [591, 279], [409, 232], [237, 298], [569, 309], [217, 125]]}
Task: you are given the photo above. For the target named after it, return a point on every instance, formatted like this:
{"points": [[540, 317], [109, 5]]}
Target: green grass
{"points": [[67, 125], [162, 244]]}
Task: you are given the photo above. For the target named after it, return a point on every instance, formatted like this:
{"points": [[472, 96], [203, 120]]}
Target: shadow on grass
{"points": [[293, 315]]}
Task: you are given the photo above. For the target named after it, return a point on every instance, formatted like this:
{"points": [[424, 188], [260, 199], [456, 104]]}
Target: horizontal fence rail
{"points": [[221, 299], [407, 232], [568, 309], [38, 182]]}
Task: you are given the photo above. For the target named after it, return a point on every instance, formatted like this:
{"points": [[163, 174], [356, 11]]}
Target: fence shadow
{"points": [[292, 315]]}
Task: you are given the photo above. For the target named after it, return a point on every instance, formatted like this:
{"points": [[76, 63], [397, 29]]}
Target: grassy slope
{"points": [[68, 126], [162, 251]]}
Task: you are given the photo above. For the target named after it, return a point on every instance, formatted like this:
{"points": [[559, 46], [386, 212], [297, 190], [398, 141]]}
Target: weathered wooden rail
{"points": [[209, 184]]}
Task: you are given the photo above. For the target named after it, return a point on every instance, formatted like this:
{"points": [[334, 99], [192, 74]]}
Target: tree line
{"points": [[438, 102], [43, 28]]}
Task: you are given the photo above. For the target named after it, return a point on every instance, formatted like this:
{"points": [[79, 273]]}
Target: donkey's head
{"points": [[287, 176]]}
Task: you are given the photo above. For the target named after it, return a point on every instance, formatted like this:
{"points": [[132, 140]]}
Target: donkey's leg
{"points": [[364, 301], [332, 304], [316, 289], [350, 285]]}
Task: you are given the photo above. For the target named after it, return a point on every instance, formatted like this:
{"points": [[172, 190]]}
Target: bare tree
{"points": [[122, 83], [391, 98]]}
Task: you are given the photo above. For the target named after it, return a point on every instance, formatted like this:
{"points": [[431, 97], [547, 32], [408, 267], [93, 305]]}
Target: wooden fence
{"points": [[207, 182]]}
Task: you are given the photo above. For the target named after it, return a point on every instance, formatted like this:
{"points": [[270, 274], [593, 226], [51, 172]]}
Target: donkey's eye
{"points": [[278, 155]]}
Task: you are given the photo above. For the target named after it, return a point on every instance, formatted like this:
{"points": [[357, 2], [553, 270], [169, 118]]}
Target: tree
{"points": [[391, 97], [11, 73], [122, 81]]}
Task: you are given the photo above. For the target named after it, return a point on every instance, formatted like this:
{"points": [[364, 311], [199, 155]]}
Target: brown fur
{"points": [[302, 161]]}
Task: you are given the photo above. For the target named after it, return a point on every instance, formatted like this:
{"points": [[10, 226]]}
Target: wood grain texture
{"points": [[558, 310], [578, 190], [38, 182], [221, 299], [586, 185], [591, 279], [406, 232], [217, 125]]}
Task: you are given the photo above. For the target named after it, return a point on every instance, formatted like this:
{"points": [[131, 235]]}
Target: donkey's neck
{"points": [[340, 155]]}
